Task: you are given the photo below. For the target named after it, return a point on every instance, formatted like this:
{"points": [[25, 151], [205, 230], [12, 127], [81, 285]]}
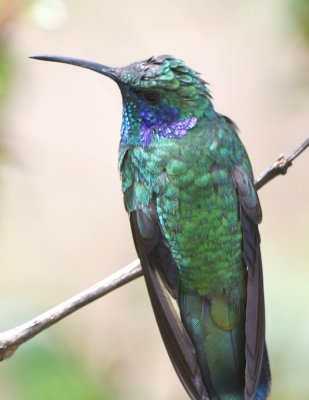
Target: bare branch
{"points": [[280, 166], [13, 338]]}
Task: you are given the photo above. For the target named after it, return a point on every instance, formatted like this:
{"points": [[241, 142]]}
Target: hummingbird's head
{"points": [[162, 97]]}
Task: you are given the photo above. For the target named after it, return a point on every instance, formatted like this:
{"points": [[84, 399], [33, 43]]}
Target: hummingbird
{"points": [[188, 188]]}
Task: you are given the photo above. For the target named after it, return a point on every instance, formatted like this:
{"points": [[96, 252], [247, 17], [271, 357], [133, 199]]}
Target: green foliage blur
{"points": [[299, 15], [52, 372], [5, 72]]}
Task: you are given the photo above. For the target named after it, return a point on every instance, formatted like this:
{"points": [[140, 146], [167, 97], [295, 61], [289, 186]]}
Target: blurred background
{"points": [[63, 226]]}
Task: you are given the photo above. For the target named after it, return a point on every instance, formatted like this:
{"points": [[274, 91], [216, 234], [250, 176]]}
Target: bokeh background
{"points": [[63, 226]]}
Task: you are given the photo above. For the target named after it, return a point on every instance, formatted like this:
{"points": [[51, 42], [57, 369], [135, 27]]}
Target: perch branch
{"points": [[280, 166], [11, 339]]}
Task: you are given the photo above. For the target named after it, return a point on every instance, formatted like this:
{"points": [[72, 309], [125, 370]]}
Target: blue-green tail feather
{"points": [[217, 330], [216, 327]]}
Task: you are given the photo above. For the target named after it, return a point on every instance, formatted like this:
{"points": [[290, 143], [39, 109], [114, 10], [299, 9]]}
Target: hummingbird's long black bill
{"points": [[100, 68]]}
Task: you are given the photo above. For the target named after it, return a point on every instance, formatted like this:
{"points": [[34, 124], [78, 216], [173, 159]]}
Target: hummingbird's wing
{"points": [[160, 273], [257, 369]]}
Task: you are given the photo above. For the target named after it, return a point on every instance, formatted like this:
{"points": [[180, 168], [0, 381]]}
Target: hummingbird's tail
{"points": [[217, 330]]}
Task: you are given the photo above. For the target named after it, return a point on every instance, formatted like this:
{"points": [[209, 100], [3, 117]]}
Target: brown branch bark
{"points": [[280, 166], [10, 340]]}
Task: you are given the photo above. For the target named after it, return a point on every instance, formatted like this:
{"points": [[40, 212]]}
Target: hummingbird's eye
{"points": [[151, 97]]}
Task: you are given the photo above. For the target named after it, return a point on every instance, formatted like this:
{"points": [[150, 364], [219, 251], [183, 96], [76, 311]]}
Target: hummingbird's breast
{"points": [[197, 207]]}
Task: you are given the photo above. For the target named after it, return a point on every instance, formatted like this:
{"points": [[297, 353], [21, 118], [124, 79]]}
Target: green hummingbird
{"points": [[189, 191]]}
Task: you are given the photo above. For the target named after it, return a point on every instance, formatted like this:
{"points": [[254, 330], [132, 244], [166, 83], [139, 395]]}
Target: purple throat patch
{"points": [[166, 123]]}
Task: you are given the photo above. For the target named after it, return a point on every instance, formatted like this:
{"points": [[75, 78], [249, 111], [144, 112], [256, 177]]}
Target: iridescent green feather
{"points": [[197, 206]]}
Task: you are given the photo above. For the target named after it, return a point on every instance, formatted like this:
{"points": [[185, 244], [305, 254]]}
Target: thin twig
{"points": [[280, 166], [10, 340]]}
